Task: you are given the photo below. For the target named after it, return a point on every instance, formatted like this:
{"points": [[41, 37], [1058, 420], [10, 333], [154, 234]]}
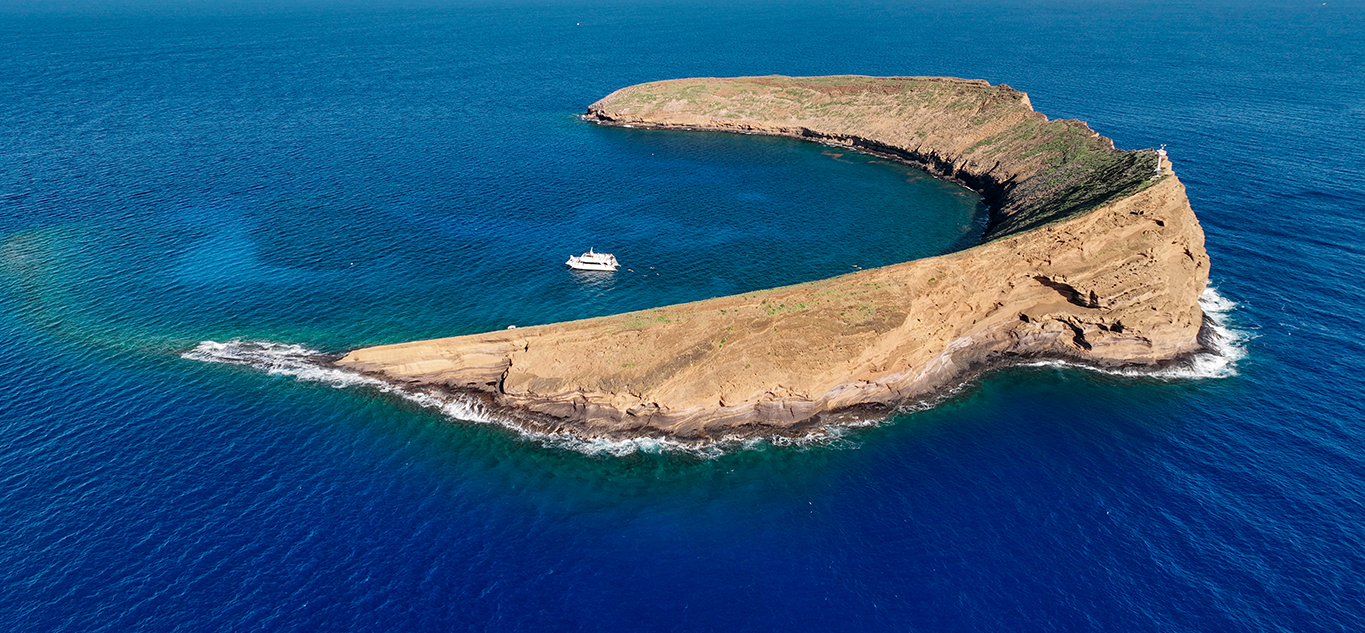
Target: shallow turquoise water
{"points": [[437, 253]]}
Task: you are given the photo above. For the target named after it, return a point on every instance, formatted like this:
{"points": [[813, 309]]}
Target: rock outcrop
{"points": [[1092, 255]]}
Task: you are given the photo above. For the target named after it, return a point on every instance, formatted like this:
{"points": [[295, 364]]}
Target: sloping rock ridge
{"points": [[1092, 255]]}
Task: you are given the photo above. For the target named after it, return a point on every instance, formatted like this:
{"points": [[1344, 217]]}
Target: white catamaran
{"points": [[593, 261]]}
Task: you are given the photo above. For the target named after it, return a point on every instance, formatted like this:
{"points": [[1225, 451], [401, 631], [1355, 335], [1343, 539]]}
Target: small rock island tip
{"points": [[1091, 255]]}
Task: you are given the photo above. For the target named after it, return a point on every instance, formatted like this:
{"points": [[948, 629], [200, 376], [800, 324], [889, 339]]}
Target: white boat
{"points": [[593, 261]]}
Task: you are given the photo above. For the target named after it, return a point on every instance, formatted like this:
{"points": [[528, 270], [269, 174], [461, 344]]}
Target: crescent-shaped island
{"points": [[1091, 255]]}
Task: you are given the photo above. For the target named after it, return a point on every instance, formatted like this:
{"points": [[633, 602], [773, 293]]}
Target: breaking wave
{"points": [[306, 365], [1224, 345], [833, 436]]}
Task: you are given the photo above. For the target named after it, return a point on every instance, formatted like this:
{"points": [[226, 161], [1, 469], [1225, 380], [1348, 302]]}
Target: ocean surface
{"points": [[197, 198]]}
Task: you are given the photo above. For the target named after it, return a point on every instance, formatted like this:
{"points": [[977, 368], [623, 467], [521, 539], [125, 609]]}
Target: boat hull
{"points": [[593, 261], [576, 265]]}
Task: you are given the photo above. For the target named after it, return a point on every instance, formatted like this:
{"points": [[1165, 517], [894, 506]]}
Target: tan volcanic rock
{"points": [[1091, 256]]}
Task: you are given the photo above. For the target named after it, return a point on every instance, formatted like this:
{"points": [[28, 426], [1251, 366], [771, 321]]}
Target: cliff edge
{"points": [[1092, 255]]}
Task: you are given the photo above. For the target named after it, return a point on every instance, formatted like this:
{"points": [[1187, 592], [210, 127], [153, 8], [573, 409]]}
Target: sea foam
{"points": [[1225, 346], [307, 365]]}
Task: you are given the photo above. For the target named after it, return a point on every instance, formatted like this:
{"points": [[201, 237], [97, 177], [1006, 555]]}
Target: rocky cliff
{"points": [[1092, 255]]}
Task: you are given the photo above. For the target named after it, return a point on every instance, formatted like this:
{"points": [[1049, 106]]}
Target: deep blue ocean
{"points": [[194, 196]]}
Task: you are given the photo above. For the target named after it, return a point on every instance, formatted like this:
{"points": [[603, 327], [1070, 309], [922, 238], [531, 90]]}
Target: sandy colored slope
{"points": [[1090, 258]]}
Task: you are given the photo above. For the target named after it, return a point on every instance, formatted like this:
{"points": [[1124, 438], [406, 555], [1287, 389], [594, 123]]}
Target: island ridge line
{"points": [[1092, 255]]}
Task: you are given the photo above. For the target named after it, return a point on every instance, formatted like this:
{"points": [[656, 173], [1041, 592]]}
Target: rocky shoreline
{"points": [[1092, 255]]}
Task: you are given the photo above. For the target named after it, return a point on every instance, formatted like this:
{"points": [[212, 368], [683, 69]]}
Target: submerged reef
{"points": [[1091, 255]]}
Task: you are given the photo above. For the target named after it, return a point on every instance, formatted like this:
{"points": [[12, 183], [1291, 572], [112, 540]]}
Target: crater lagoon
{"points": [[307, 178]]}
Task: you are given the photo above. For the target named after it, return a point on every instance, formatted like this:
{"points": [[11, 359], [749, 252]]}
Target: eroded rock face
{"points": [[1093, 255]]}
